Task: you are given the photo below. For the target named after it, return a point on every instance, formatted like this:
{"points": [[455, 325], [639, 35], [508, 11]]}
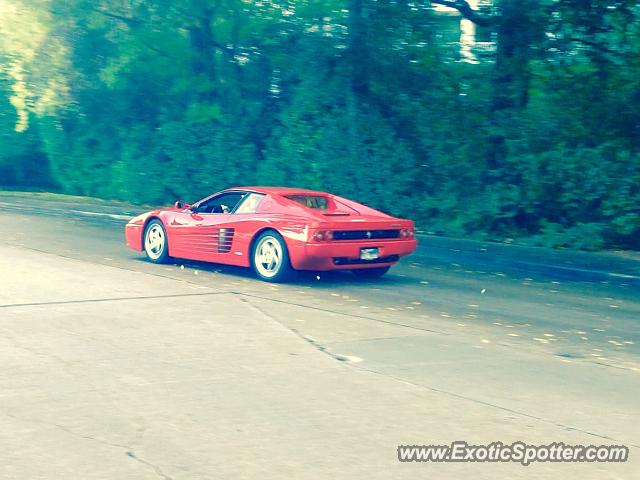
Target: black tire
{"points": [[272, 267], [370, 273], [154, 242]]}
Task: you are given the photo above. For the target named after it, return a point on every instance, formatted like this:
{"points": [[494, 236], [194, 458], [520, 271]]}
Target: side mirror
{"points": [[179, 204]]}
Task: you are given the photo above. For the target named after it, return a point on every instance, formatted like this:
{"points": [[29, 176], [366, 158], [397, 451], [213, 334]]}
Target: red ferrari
{"points": [[276, 231]]}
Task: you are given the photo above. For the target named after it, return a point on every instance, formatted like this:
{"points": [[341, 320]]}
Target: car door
{"points": [[205, 232]]}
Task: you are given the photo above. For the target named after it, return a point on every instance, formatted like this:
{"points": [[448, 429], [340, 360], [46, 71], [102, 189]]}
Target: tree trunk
{"points": [[203, 44]]}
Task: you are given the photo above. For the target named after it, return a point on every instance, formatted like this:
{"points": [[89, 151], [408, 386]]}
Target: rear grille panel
{"points": [[357, 261], [365, 234]]}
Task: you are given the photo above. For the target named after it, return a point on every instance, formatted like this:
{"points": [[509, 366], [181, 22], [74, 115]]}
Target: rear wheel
{"points": [[369, 273], [155, 242], [270, 258]]}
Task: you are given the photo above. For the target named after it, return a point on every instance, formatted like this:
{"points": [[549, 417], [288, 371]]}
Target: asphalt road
{"points": [[463, 341]]}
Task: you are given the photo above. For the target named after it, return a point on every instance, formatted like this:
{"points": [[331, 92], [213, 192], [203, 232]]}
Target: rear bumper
{"points": [[133, 236], [346, 255]]}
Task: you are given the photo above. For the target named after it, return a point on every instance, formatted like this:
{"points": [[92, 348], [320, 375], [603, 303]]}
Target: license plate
{"points": [[368, 253]]}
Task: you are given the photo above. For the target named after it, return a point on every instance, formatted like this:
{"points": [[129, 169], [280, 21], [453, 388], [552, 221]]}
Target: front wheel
{"points": [[155, 242], [270, 258], [370, 273]]}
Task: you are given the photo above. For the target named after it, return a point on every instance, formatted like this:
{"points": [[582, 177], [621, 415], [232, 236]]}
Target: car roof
{"points": [[279, 190]]}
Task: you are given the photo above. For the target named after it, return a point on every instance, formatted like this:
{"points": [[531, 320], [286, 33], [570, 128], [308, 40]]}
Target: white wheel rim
{"points": [[154, 241], [268, 257]]}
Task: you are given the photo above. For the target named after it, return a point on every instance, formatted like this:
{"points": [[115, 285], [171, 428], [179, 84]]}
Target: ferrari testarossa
{"points": [[276, 231]]}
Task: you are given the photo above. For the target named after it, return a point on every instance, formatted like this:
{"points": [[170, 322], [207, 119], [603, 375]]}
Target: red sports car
{"points": [[275, 231]]}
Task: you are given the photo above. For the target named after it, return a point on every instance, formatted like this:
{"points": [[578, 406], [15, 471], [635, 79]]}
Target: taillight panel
{"points": [[407, 233], [323, 236]]}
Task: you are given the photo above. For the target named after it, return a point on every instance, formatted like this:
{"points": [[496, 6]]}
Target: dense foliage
{"points": [[533, 133]]}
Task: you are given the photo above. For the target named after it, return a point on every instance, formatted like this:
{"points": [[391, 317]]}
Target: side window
{"points": [[311, 201], [250, 203], [224, 203]]}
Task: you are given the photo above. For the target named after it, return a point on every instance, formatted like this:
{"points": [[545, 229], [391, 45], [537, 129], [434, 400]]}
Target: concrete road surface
{"points": [[115, 368]]}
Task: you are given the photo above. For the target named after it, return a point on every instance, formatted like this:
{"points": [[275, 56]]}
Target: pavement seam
{"points": [[345, 360], [113, 299], [318, 346], [326, 310], [491, 405], [411, 327], [67, 257], [233, 292], [129, 452]]}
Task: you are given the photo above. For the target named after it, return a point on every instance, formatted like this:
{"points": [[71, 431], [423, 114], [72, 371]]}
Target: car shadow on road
{"points": [[301, 278]]}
